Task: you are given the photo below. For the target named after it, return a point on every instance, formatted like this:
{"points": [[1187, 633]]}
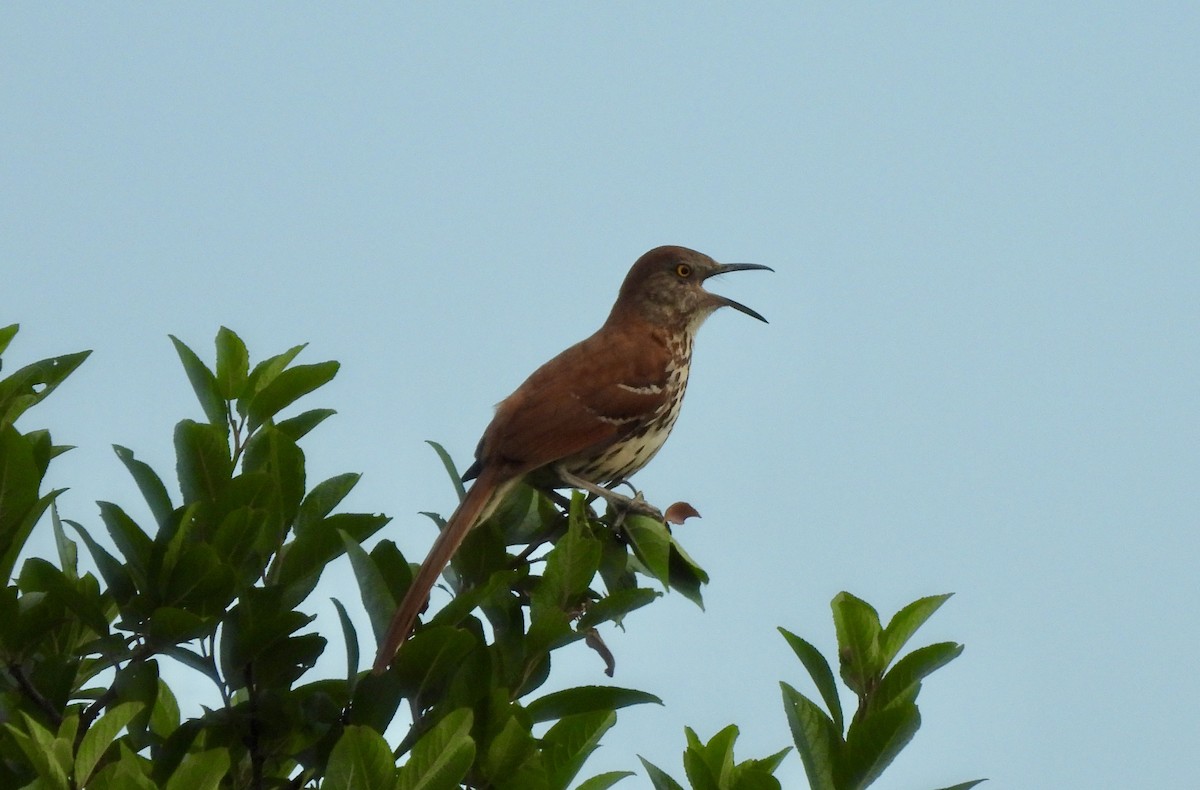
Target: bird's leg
{"points": [[636, 504]]}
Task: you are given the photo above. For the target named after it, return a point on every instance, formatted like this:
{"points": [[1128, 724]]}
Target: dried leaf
{"points": [[592, 639], [680, 512]]}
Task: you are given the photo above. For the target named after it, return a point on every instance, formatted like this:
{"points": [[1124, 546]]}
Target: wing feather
{"points": [[588, 396]]}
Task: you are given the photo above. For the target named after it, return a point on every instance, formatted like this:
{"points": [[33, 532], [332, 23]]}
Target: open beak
{"points": [[725, 268]]}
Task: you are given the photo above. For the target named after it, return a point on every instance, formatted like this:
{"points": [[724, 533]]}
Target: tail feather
{"points": [[479, 503]]}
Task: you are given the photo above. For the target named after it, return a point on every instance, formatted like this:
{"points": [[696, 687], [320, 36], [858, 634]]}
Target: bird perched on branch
{"points": [[591, 416]]}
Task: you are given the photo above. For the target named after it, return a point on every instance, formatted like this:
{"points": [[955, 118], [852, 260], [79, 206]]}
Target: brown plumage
{"points": [[591, 416]]}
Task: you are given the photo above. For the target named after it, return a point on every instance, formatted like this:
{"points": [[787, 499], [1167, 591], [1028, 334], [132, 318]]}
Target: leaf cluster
{"points": [[219, 580], [534, 578], [214, 581], [841, 757]]}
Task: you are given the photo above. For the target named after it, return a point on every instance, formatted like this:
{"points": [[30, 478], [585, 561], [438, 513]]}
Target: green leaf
{"points": [[6, 335], [68, 550], [375, 701], [203, 462], [164, 718], [308, 555], [200, 771], [361, 760], [441, 759], [651, 545], [569, 743], [615, 606], [772, 762], [204, 384], [549, 628], [817, 740], [685, 576], [243, 541], [858, 633], [710, 766], [169, 755], [19, 482], [116, 574], [200, 582], [821, 674], [323, 498], [100, 736], [659, 778], [430, 658], [264, 373], [394, 569], [874, 741], [38, 575], [965, 785], [274, 453], [511, 746], [169, 625], [138, 681], [752, 776], [31, 384], [168, 543], [254, 489], [572, 563], [205, 665], [351, 638], [522, 516], [288, 387], [43, 449], [233, 364], [32, 517], [149, 483], [451, 470], [50, 756], [586, 699], [905, 623], [376, 597], [128, 772], [259, 630], [299, 426], [904, 679], [605, 780], [765, 765], [133, 543]]}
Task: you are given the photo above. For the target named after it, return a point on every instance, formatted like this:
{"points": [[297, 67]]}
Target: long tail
{"points": [[480, 501]]}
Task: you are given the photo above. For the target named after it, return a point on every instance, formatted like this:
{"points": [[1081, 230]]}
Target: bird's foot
{"points": [[624, 505], [640, 506]]}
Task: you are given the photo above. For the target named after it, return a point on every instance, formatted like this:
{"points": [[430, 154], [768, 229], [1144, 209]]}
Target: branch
{"points": [[88, 717], [256, 758], [34, 695]]}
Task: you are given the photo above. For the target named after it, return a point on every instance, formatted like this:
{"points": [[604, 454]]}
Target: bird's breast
{"points": [[633, 450]]}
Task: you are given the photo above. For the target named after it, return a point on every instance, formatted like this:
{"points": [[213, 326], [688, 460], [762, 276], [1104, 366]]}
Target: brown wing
{"points": [[588, 396]]}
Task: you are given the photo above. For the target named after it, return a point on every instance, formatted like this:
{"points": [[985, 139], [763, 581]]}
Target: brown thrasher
{"points": [[593, 415]]}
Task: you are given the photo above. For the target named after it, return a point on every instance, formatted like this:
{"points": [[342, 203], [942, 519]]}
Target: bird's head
{"points": [[665, 286]]}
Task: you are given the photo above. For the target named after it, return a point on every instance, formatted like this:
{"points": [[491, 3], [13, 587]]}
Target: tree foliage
{"points": [[220, 580]]}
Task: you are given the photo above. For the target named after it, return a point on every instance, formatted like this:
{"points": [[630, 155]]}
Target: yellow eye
{"points": [[683, 270]]}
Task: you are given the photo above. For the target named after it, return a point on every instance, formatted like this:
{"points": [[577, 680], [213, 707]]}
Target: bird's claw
{"points": [[639, 505]]}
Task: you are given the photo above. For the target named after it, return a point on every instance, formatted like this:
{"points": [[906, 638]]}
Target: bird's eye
{"points": [[683, 270]]}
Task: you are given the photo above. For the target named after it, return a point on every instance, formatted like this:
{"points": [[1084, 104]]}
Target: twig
{"points": [[256, 760], [34, 695], [88, 717]]}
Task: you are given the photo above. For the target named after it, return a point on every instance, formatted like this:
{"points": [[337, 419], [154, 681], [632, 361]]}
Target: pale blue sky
{"points": [[980, 376]]}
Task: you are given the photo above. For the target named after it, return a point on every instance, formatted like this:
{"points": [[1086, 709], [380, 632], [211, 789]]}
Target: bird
{"points": [[590, 417]]}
